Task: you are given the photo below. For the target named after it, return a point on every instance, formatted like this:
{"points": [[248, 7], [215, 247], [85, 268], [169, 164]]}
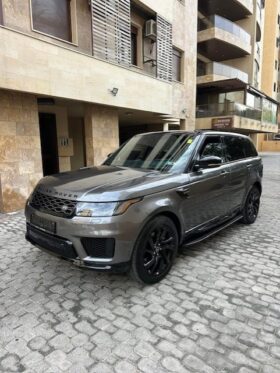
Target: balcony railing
{"points": [[226, 25], [215, 68], [228, 108]]}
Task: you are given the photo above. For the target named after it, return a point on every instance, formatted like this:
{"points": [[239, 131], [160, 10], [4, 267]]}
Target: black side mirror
{"points": [[207, 162]]}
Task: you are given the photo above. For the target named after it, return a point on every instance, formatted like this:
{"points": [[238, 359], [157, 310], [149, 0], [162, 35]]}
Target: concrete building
{"points": [[77, 77], [229, 82], [270, 83]]}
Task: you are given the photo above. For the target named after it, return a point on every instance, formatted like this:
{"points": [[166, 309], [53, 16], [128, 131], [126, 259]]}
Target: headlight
{"points": [[103, 209]]}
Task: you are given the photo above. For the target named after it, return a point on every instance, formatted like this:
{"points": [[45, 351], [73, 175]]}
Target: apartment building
{"points": [[270, 83], [230, 94], [77, 77]]}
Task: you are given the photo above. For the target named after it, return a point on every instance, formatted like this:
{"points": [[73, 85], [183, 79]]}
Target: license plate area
{"points": [[42, 223]]}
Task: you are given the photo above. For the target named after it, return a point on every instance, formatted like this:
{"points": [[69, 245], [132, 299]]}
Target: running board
{"points": [[213, 232]]}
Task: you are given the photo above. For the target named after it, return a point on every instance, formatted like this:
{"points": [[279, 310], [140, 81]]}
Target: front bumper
{"points": [[67, 240]]}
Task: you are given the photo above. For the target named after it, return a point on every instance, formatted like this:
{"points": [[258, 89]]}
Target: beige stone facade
{"points": [[20, 154], [68, 86]]}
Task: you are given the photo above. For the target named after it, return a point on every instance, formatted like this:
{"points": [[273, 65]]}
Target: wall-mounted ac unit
{"points": [[151, 29]]}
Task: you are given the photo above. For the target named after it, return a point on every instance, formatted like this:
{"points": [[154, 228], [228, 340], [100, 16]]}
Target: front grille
{"points": [[53, 205], [54, 244], [99, 247]]}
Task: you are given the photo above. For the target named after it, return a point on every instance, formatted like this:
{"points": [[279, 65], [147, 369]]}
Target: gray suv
{"points": [[157, 192]]}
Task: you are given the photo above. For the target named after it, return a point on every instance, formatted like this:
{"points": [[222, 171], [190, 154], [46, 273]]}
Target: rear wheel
{"points": [[252, 205], [155, 250]]}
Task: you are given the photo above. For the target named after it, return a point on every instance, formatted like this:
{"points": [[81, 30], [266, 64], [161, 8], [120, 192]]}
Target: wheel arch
{"points": [[258, 185], [172, 216]]}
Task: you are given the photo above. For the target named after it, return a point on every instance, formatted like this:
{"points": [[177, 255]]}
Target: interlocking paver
{"points": [[218, 311]]}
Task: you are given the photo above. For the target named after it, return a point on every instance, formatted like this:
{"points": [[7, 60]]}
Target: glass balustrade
{"points": [[226, 25], [215, 68]]}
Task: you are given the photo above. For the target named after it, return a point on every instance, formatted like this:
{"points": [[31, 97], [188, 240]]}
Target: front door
{"points": [[49, 145], [207, 191]]}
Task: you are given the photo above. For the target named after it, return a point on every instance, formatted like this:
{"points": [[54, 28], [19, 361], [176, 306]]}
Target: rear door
{"points": [[207, 191], [239, 169]]}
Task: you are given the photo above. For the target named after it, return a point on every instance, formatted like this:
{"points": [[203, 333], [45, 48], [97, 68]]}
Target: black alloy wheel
{"points": [[155, 250], [252, 205]]}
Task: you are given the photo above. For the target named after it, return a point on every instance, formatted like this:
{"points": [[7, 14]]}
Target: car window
{"points": [[250, 149], [235, 148], [156, 151], [212, 146]]}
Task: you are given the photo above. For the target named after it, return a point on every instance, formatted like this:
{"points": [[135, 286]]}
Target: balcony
{"points": [[231, 9], [237, 117], [214, 71], [220, 39]]}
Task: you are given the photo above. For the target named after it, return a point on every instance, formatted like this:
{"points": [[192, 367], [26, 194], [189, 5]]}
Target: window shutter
{"points": [[111, 30], [164, 49]]}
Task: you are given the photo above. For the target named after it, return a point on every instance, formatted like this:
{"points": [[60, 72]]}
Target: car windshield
{"points": [[156, 151]]}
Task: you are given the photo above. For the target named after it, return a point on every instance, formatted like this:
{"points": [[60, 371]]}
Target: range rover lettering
{"points": [[157, 192]]}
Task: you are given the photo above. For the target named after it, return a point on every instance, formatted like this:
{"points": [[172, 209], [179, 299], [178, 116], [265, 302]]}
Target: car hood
{"points": [[106, 183]]}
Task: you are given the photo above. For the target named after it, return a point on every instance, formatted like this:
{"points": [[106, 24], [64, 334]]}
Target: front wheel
{"points": [[155, 250], [252, 205]]}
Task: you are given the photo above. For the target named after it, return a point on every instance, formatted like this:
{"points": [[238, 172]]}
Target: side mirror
{"points": [[207, 162]]}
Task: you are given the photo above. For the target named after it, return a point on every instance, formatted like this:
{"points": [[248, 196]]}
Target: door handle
{"points": [[183, 191], [224, 172]]}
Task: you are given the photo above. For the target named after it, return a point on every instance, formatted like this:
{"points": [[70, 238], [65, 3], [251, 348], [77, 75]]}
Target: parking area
{"points": [[217, 311]]}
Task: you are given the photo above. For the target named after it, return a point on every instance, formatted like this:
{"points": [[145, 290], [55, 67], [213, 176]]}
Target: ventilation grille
{"points": [[53, 205], [111, 30], [99, 247]]}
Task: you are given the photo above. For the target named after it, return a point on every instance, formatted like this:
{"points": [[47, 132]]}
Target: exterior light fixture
{"points": [[114, 91]]}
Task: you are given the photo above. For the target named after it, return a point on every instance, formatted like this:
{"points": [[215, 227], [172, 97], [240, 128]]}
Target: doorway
{"points": [[49, 147]]}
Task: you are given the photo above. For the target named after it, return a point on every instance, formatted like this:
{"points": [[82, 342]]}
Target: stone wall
{"points": [[20, 149], [101, 133]]}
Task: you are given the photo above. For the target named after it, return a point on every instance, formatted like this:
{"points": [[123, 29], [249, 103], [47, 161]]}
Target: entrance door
{"points": [[49, 145]]}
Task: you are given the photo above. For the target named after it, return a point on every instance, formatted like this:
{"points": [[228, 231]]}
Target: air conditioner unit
{"points": [[151, 29]]}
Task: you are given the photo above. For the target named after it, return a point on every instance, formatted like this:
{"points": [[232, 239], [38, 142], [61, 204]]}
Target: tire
{"points": [[251, 207], [155, 251]]}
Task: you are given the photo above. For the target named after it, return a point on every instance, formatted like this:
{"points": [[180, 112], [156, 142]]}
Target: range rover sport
{"points": [[155, 193]]}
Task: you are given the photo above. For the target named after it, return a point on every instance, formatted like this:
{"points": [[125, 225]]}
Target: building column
{"points": [[101, 133], [20, 149]]}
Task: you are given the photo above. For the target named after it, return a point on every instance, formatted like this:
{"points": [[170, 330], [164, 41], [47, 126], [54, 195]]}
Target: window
{"points": [[134, 49], [213, 146], [235, 148], [1, 13], [177, 65], [52, 17], [249, 147]]}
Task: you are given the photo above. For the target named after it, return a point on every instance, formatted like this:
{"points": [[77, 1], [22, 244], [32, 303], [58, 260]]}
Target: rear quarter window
{"points": [[250, 149]]}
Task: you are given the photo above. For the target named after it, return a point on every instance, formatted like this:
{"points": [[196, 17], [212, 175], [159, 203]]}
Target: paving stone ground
{"points": [[218, 310]]}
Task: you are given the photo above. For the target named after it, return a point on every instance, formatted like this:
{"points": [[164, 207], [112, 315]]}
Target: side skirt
{"points": [[211, 233]]}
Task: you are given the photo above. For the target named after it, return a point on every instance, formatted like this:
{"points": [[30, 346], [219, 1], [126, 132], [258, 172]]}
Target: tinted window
{"points": [[250, 149], [213, 146], [235, 148], [52, 17]]}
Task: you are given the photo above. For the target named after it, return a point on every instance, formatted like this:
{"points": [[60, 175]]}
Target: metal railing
{"points": [[216, 68], [226, 25]]}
